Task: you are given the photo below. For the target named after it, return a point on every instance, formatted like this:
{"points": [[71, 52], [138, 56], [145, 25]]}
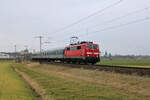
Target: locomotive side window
{"points": [[78, 47], [73, 48], [68, 49]]}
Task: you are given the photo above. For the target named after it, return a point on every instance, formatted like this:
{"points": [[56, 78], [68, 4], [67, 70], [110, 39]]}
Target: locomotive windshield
{"points": [[92, 47]]}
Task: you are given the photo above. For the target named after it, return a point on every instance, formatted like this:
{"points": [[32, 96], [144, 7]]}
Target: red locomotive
{"points": [[87, 52]]}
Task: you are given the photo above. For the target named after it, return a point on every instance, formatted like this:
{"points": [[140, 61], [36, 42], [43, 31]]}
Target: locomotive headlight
{"points": [[89, 52], [96, 53]]}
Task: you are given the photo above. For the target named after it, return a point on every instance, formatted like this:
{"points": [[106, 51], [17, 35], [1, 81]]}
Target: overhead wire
{"points": [[123, 16], [119, 18], [89, 16], [120, 25], [115, 19], [114, 27]]}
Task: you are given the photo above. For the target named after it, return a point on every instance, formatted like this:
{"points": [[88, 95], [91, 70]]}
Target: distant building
{"points": [[22, 55], [4, 55]]}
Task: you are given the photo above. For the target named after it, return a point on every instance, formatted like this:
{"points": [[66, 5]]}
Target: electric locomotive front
{"points": [[92, 53], [86, 52]]}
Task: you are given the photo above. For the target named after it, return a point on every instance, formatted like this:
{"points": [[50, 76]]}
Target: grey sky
{"points": [[22, 20]]}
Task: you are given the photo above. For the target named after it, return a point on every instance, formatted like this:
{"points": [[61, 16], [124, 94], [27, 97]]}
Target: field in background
{"points": [[63, 83], [12, 87], [126, 62]]}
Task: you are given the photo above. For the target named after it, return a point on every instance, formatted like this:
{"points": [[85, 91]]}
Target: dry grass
{"points": [[133, 84], [63, 83], [35, 87]]}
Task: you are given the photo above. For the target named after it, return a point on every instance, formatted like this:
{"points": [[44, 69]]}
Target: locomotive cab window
{"points": [[92, 47], [95, 47], [89, 47]]}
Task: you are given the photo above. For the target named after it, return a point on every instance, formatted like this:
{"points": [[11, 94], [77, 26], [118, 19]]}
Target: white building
{"points": [[4, 56]]}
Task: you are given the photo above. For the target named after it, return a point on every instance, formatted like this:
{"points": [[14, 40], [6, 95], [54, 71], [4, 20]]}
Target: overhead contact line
{"points": [[89, 16]]}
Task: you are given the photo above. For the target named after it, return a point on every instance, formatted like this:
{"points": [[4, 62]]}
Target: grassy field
{"points": [[12, 87], [126, 62], [63, 83]]}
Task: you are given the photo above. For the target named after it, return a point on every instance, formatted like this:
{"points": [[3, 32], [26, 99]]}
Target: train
{"points": [[81, 52]]}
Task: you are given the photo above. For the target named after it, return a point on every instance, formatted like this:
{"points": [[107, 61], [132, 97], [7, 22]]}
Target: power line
{"points": [[87, 17], [121, 25], [119, 18], [123, 16], [113, 27]]}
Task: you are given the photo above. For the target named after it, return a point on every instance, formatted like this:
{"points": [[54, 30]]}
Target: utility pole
{"points": [[15, 48], [15, 52], [26, 47], [40, 37]]}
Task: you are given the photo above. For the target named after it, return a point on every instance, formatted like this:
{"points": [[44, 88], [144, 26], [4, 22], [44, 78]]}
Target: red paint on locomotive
{"points": [[85, 51]]}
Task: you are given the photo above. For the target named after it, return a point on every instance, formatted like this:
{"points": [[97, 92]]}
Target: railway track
{"points": [[118, 69]]}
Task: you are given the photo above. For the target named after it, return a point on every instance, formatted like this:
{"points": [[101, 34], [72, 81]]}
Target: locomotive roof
{"points": [[81, 43]]}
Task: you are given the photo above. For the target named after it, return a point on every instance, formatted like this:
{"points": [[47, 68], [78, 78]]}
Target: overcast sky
{"points": [[22, 20]]}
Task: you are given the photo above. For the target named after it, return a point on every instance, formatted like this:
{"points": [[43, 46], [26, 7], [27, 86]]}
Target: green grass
{"points": [[63, 89], [126, 62], [13, 87]]}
